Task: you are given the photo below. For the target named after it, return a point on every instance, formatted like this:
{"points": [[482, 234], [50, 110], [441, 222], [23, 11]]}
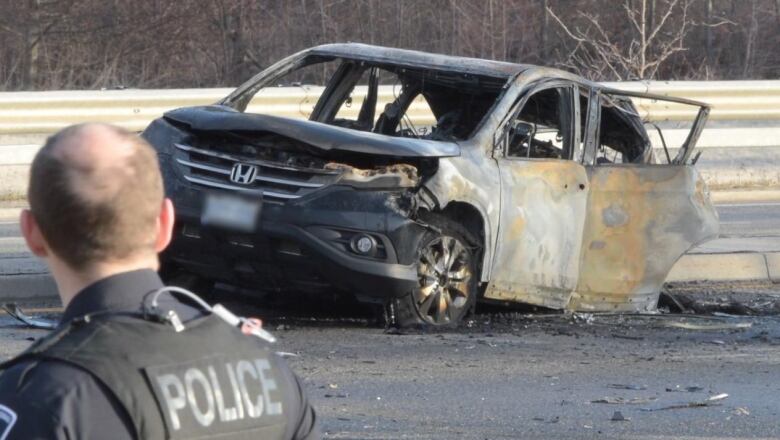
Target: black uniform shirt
{"points": [[54, 400]]}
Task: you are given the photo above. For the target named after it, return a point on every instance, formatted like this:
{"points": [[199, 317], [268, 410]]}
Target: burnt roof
{"points": [[414, 58]]}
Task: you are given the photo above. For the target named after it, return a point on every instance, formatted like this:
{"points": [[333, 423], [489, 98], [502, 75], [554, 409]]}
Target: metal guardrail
{"points": [[730, 100], [745, 114], [46, 112]]}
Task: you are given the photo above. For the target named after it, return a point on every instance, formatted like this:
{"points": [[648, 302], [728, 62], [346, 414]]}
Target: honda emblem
{"points": [[243, 173]]}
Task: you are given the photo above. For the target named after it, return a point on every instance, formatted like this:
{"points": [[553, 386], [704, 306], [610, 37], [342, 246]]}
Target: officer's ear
{"points": [[164, 226], [32, 234]]}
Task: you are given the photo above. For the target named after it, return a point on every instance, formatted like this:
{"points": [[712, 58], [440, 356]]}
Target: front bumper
{"points": [[300, 245]]}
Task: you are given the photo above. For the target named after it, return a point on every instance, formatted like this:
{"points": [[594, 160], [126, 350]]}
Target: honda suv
{"points": [[425, 182]]}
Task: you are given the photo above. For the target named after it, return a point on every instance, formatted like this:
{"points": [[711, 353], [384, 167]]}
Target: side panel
{"points": [[539, 239], [641, 219]]}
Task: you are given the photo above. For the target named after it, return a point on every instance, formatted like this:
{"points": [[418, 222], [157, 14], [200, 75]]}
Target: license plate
{"points": [[230, 212]]}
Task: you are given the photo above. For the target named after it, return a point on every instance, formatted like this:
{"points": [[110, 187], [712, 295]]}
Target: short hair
{"points": [[91, 210]]}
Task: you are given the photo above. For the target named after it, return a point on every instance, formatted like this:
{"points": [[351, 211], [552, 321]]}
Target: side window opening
{"points": [[543, 128], [623, 138], [627, 137]]}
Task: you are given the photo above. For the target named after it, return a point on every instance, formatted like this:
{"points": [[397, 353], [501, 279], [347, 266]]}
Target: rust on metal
{"points": [[630, 243]]}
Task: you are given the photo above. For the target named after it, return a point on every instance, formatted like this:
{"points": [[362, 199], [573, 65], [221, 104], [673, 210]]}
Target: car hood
{"points": [[319, 135]]}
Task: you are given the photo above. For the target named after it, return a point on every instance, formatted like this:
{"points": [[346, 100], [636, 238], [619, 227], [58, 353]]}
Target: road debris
{"points": [[691, 389], [721, 326], [670, 301], [741, 411], [725, 315], [618, 416], [726, 300], [286, 354], [583, 318], [710, 401], [15, 311], [629, 337], [620, 386], [624, 401]]}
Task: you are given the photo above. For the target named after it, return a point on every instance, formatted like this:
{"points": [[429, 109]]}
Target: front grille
{"points": [[275, 181]]}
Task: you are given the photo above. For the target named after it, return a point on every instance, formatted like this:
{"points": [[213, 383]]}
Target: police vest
{"points": [[207, 380]]}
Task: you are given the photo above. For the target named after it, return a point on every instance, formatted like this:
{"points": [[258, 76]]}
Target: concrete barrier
{"points": [[721, 267]]}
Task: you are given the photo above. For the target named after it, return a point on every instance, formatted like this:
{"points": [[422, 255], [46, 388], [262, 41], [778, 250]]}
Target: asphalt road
{"points": [[749, 219], [510, 377]]}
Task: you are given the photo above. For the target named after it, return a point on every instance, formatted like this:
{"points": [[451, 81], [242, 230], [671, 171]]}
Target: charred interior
{"points": [[621, 132], [458, 101]]}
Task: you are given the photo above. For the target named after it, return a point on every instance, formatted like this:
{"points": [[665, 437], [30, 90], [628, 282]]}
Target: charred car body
{"points": [[423, 182]]}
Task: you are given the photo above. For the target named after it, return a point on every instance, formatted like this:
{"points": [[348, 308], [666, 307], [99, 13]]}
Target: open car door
{"points": [[641, 217]]}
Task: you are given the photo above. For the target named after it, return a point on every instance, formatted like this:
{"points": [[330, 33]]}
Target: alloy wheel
{"points": [[444, 274]]}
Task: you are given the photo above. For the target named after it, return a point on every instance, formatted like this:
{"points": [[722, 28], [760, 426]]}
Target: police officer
{"points": [[130, 359]]}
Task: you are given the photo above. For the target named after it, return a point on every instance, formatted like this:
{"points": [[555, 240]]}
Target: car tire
{"points": [[447, 259]]}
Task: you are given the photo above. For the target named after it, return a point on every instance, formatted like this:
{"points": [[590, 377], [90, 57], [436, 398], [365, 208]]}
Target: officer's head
{"points": [[96, 201]]}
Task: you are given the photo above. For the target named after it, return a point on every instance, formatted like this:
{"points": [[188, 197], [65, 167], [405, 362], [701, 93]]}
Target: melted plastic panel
{"points": [[640, 221], [542, 215]]}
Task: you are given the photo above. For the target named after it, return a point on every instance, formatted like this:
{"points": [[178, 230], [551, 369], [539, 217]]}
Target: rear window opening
{"points": [[387, 99], [622, 138], [628, 137]]}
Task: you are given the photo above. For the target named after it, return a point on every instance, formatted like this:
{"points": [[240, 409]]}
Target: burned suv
{"points": [[425, 182]]}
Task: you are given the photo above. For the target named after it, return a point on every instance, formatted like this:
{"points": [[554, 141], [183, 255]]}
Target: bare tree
{"points": [[651, 43], [63, 44]]}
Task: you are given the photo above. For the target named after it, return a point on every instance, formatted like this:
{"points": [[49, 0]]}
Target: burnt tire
{"points": [[447, 273]]}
